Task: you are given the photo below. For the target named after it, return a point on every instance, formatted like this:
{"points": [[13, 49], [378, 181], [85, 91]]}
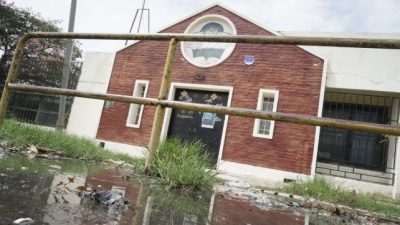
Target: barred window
{"points": [[267, 101], [356, 148]]}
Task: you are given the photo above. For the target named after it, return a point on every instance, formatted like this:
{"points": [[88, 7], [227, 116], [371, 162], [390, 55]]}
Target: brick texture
{"points": [[294, 72]]}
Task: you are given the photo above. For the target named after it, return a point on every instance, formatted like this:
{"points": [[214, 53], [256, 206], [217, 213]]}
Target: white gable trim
{"points": [[176, 22], [228, 9], [320, 108], [204, 9]]}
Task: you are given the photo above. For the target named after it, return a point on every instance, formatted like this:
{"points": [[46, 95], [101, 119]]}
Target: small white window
{"points": [[267, 101], [136, 110]]}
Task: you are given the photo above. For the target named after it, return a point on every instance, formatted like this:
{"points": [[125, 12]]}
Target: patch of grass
{"points": [[21, 134], [321, 189], [184, 165]]}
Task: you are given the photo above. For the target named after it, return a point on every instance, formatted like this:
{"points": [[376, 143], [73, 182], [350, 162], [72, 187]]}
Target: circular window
{"points": [[207, 54]]}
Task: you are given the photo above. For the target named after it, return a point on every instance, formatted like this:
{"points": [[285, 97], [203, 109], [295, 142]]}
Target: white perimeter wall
{"points": [[85, 113], [362, 69], [359, 68]]}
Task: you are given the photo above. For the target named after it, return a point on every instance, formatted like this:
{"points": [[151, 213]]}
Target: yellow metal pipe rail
{"points": [[160, 110], [234, 111], [249, 39]]}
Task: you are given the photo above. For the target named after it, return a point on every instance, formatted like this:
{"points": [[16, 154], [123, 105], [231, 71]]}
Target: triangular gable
{"points": [[205, 11], [217, 8]]}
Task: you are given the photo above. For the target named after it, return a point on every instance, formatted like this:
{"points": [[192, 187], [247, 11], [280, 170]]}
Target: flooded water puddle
{"points": [[47, 192]]}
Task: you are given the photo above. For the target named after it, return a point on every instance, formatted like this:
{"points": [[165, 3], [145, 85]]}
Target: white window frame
{"points": [[135, 94], [265, 93]]}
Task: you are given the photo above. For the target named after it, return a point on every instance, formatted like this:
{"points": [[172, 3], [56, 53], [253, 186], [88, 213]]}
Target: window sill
{"points": [[133, 126], [263, 136]]}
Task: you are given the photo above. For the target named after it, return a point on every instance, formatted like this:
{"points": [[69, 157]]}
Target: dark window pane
{"points": [[352, 147]]}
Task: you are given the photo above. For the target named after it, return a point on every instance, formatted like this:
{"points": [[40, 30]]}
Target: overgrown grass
{"points": [[21, 134], [321, 189], [184, 165]]}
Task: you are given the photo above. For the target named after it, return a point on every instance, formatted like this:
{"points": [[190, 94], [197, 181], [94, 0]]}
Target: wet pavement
{"points": [[47, 192]]}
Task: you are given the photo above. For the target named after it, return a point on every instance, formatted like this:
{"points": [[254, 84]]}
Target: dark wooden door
{"points": [[206, 127]]}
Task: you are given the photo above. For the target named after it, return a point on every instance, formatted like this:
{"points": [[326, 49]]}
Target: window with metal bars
{"points": [[136, 110], [359, 149], [267, 101], [265, 125], [36, 108]]}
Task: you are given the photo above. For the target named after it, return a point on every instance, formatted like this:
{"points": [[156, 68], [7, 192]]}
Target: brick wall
{"points": [[351, 172], [294, 72]]}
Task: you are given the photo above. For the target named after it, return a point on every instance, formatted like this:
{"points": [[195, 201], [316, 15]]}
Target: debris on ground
{"points": [[267, 200], [259, 199], [57, 167], [122, 166], [295, 204], [109, 198], [2, 152], [238, 184], [23, 221], [30, 151]]}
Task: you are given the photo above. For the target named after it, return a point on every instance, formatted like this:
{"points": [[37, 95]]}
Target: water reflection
{"points": [[227, 211], [23, 194], [32, 189]]}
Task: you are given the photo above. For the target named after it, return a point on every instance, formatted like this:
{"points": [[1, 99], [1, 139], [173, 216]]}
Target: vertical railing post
{"points": [[160, 110], [12, 73]]}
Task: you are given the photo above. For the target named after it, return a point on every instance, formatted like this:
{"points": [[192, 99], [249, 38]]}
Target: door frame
{"points": [[201, 87]]}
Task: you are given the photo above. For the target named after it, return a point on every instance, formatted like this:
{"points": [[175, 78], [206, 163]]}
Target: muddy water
{"points": [[44, 191]]}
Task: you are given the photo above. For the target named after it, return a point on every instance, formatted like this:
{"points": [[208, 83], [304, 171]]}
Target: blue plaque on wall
{"points": [[249, 59]]}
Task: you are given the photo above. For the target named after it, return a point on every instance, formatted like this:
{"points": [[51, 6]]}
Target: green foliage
{"points": [[20, 134], [15, 22], [321, 189], [184, 165], [43, 58]]}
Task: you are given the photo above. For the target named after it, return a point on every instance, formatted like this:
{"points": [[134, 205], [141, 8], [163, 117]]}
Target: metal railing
{"points": [[35, 108], [161, 103]]}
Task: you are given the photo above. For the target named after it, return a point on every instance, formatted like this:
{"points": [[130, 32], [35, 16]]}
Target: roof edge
{"points": [[277, 33], [204, 9], [176, 22]]}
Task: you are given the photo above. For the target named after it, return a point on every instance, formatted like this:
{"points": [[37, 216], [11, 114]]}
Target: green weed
{"points": [[184, 165], [321, 189]]}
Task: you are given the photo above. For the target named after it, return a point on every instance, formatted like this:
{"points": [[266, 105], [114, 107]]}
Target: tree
{"points": [[41, 65], [43, 58]]}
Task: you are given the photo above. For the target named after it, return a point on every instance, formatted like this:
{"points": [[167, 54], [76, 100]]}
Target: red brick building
{"points": [[266, 77]]}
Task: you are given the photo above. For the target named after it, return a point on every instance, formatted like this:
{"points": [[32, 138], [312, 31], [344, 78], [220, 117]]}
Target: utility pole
{"points": [[66, 66]]}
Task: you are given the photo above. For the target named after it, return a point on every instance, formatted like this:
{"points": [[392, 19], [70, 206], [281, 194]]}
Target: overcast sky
{"points": [[115, 16]]}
